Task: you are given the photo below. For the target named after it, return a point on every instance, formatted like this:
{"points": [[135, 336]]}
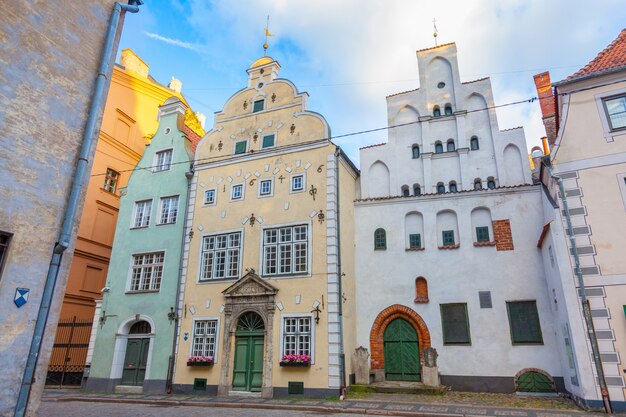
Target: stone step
{"points": [[398, 388], [247, 394], [129, 389]]}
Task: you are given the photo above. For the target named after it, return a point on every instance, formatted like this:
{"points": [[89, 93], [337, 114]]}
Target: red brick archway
{"points": [[382, 321]]}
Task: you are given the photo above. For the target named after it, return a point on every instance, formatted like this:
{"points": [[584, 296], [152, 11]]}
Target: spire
{"points": [[267, 34]]}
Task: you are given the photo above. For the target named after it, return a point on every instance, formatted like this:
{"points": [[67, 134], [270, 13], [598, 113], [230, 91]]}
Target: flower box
{"points": [[189, 363], [200, 361], [295, 360], [296, 364]]}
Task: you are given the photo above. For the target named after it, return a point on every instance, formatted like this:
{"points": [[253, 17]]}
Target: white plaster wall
{"points": [[457, 276]]}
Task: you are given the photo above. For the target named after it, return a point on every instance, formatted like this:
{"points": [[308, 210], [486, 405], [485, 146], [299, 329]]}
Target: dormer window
{"points": [[259, 105], [448, 110], [436, 111], [241, 147], [450, 146], [438, 147], [415, 150], [474, 143]]}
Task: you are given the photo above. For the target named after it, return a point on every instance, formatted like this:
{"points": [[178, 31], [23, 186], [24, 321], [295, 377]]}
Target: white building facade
{"points": [[454, 231]]}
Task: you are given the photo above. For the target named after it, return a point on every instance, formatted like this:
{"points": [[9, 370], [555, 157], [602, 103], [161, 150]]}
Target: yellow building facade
{"points": [[267, 304]]}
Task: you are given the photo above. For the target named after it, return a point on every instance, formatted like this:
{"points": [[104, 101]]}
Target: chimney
{"points": [[546, 147], [175, 84], [201, 119], [130, 61], [547, 101]]}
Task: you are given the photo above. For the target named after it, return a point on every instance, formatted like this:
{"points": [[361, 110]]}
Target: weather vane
{"points": [[267, 34], [434, 30]]}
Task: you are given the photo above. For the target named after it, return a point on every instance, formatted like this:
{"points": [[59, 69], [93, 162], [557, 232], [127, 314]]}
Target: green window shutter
{"points": [[415, 241], [448, 237], [258, 106], [455, 324], [240, 147], [380, 239], [524, 322], [482, 234], [268, 141]]}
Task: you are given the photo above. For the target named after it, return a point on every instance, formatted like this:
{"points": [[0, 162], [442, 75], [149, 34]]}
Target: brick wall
{"points": [[502, 235]]}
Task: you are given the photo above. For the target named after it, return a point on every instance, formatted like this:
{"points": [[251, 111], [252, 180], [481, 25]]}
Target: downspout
{"points": [[595, 350], [78, 183], [177, 317], [342, 355]]}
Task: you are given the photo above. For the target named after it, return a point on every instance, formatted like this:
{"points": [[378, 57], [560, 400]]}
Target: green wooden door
{"points": [[248, 370], [135, 361], [402, 358]]}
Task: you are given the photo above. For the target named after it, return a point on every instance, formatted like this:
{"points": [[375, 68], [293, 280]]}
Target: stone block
{"points": [[430, 376]]}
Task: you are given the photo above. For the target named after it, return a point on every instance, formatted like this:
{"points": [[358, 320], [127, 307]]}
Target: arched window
{"points": [[491, 183], [474, 143], [436, 111], [438, 147], [452, 187], [450, 145], [421, 290], [417, 190], [448, 110], [415, 150], [478, 184], [441, 188], [380, 239], [405, 191], [141, 327]]}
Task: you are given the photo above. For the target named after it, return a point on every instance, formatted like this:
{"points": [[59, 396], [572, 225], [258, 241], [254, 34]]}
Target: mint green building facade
{"points": [[133, 330]]}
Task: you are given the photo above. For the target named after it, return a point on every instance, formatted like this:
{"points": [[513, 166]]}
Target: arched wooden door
{"points": [[136, 359], [249, 345], [402, 358]]}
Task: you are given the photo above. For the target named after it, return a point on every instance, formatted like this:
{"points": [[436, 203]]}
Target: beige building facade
{"points": [[267, 299]]}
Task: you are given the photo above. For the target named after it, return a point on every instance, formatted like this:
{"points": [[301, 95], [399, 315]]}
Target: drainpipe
{"points": [[342, 355], [78, 183], [177, 317], [595, 350]]}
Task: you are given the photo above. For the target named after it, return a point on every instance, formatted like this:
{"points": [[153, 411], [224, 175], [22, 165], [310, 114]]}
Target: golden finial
{"points": [[435, 30], [267, 34]]}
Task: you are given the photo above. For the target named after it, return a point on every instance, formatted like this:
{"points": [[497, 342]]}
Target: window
{"points": [[415, 241], [297, 183], [110, 181], [380, 239], [436, 111], [5, 238], [441, 188], [204, 338], [474, 143], [478, 184], [447, 237], [147, 271], [438, 147], [415, 150], [210, 197], [524, 322], [163, 160], [258, 105], [405, 191], [142, 213], [297, 336], [169, 210], [452, 187], [455, 324], [236, 192], [220, 256], [266, 188], [417, 190], [616, 111], [450, 146], [241, 147], [491, 184], [268, 141], [448, 110], [285, 250], [482, 234], [441, 84]]}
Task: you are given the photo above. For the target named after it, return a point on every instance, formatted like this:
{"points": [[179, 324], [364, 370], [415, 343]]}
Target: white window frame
{"points": [[609, 135], [161, 168], [271, 193], [161, 202], [309, 241], [109, 179], [199, 278], [235, 147], [291, 178], [133, 220], [243, 191], [621, 181], [204, 195], [129, 282], [282, 332], [263, 138], [217, 335]]}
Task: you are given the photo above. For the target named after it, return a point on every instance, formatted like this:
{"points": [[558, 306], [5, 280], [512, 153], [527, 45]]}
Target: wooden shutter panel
{"points": [[455, 324], [524, 320]]}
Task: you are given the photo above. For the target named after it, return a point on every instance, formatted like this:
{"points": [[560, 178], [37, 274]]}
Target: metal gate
{"points": [[69, 352]]}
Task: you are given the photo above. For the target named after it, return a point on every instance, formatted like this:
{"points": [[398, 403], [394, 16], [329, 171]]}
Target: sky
{"points": [[350, 54]]}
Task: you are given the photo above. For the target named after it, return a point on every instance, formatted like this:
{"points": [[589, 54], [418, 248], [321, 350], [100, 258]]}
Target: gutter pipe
{"points": [[595, 350], [78, 183], [342, 355]]}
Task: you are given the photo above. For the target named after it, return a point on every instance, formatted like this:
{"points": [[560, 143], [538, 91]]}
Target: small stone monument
{"points": [[430, 373], [361, 366]]}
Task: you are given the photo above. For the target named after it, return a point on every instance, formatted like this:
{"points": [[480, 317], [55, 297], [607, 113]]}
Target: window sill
{"points": [[113, 194], [420, 299], [457, 344], [165, 224], [141, 291], [139, 227], [208, 281], [199, 363], [287, 276], [527, 343], [450, 246], [414, 249], [490, 243]]}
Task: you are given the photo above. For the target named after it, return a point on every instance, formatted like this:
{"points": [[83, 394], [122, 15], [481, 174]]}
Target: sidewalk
{"points": [[374, 405]]}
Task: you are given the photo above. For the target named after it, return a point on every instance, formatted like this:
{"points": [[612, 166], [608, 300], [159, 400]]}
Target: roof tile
{"points": [[613, 56]]}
